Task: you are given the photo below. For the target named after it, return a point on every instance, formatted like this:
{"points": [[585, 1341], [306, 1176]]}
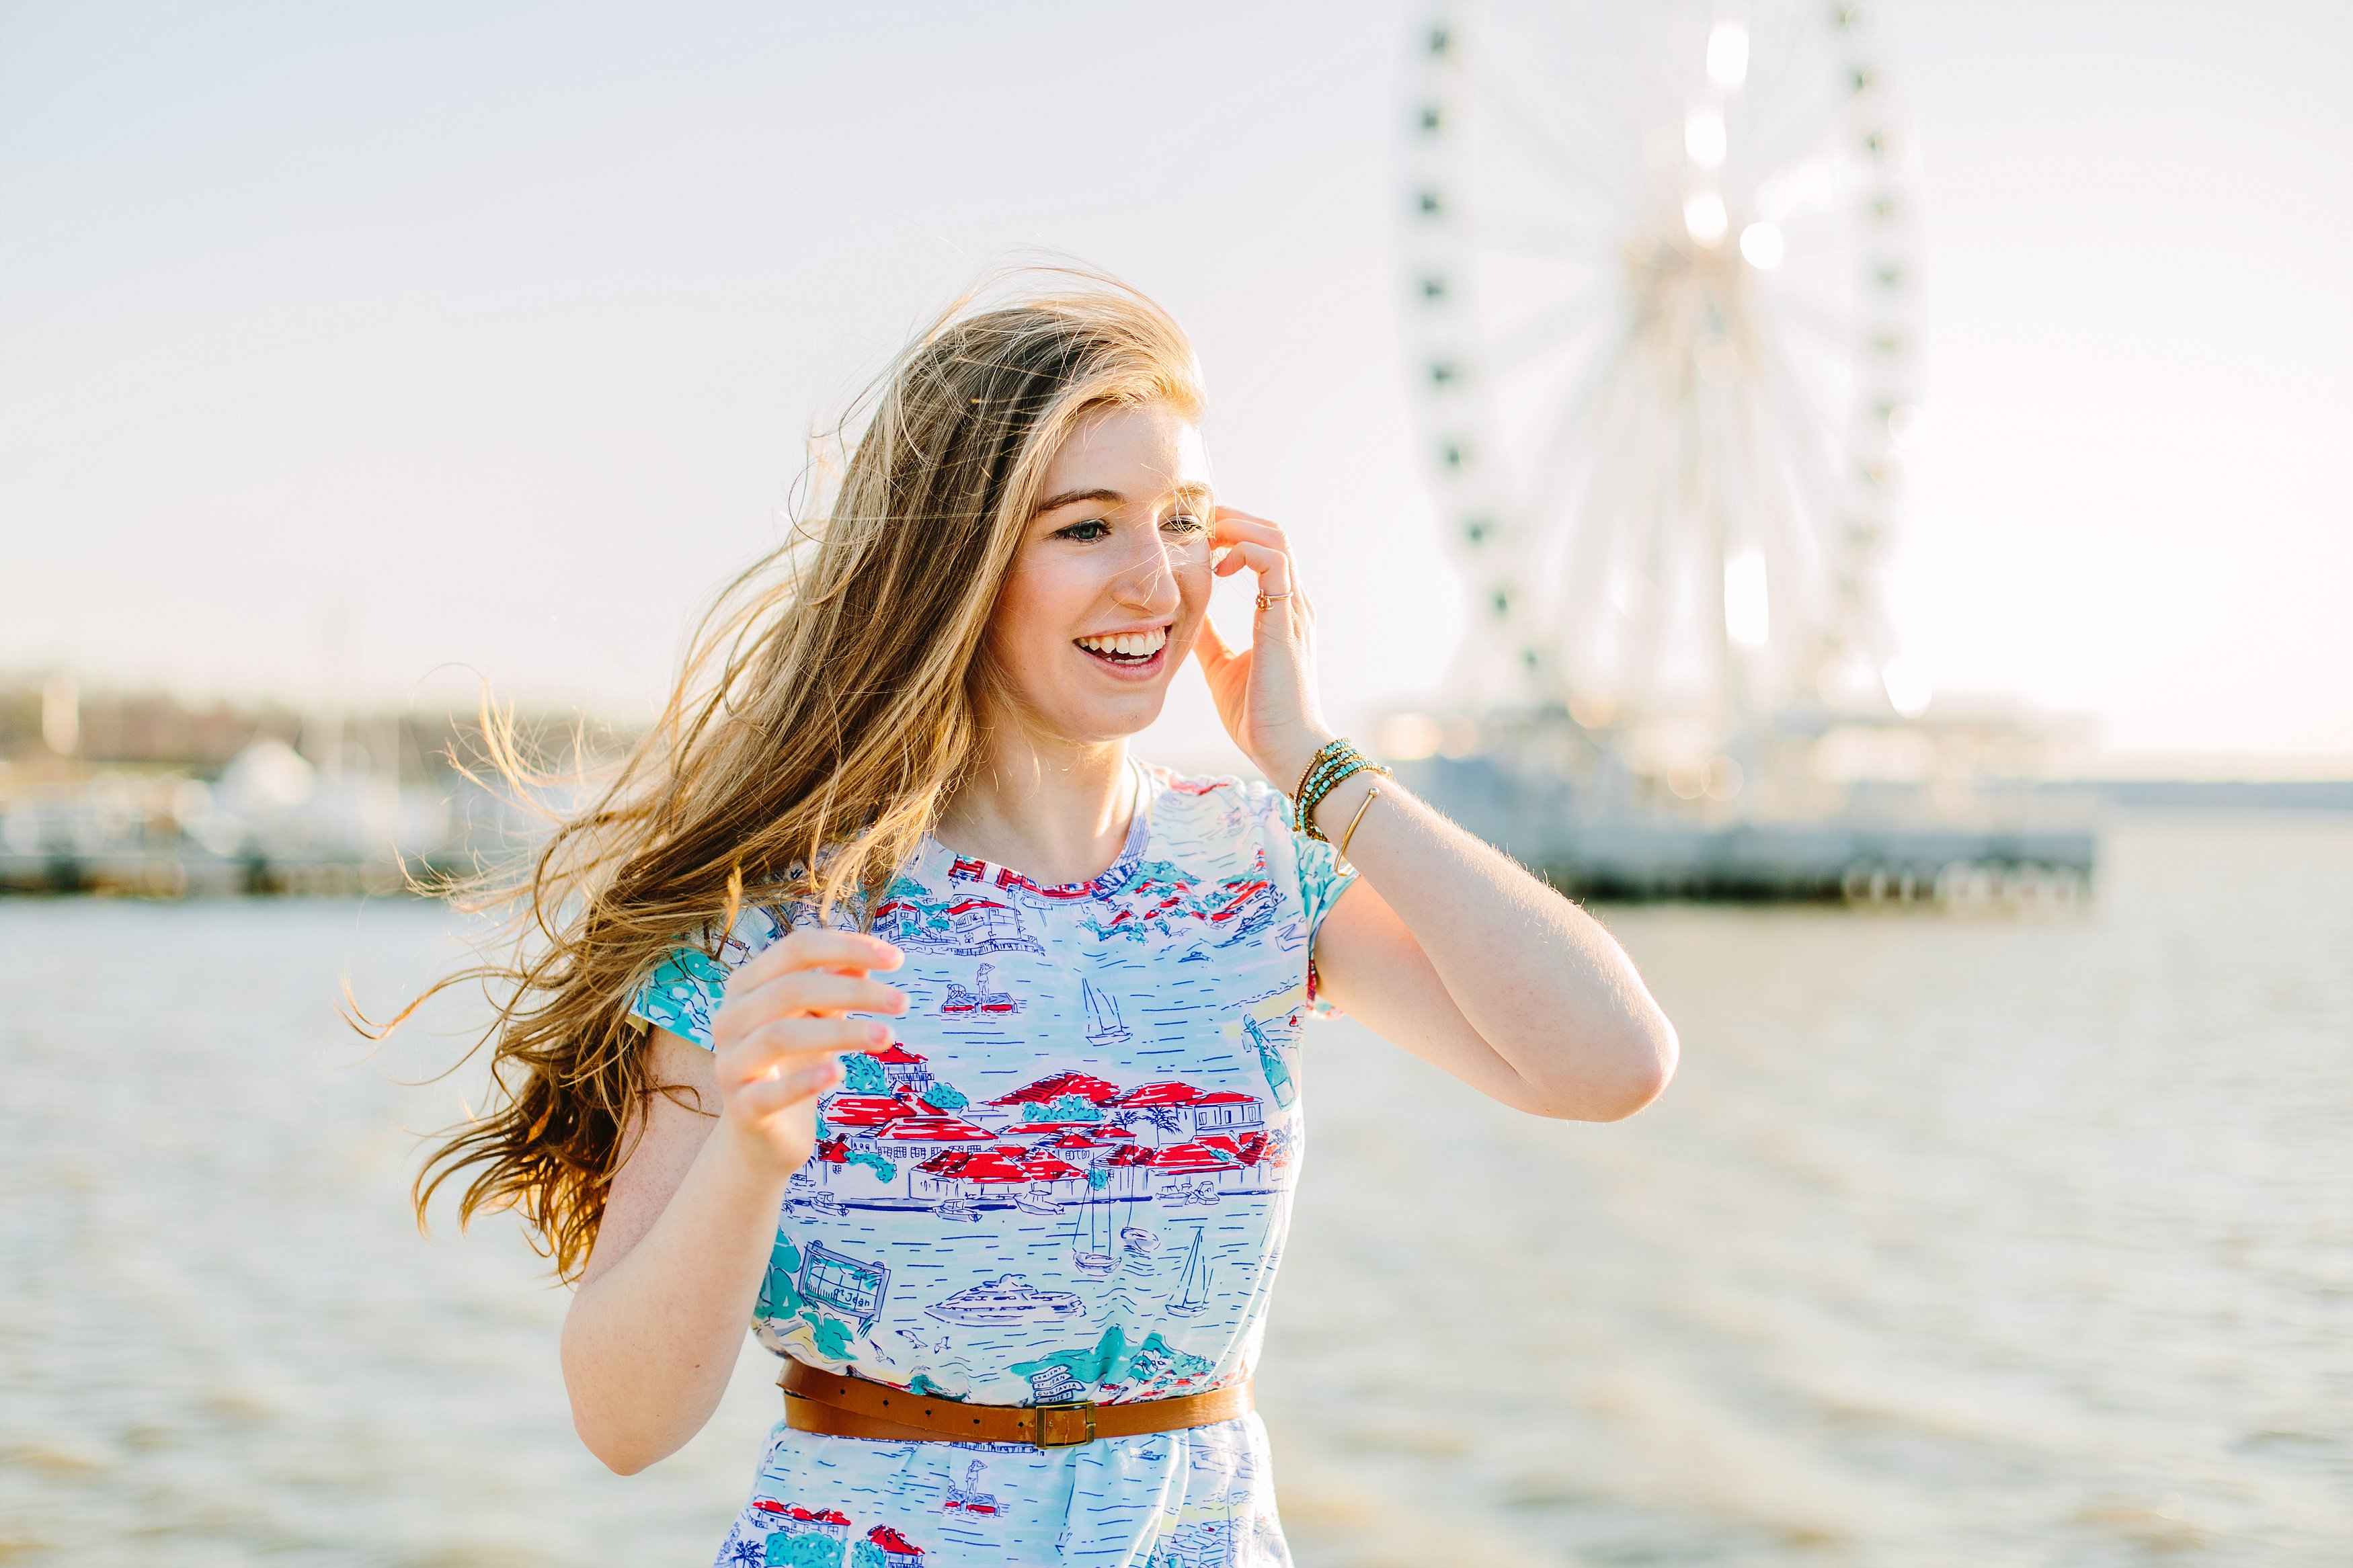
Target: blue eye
{"points": [[1182, 523], [1079, 530]]}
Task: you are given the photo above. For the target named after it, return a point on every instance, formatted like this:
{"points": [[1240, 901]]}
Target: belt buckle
{"points": [[1083, 1407]]}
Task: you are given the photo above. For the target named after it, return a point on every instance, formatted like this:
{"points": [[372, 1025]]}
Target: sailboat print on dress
{"points": [[1192, 1284], [1092, 1254], [1103, 1025]]}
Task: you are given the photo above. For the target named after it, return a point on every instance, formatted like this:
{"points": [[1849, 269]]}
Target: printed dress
{"points": [[1069, 1178]]}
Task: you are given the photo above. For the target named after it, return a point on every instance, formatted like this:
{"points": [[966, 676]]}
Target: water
{"points": [[1956, 1242]]}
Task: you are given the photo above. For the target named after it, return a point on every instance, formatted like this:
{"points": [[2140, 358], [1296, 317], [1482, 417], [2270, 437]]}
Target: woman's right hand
{"points": [[780, 1034]]}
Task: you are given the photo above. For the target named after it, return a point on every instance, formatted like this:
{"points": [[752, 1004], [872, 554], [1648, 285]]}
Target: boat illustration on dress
{"points": [[968, 1498], [1103, 1025], [1005, 1300], [1193, 1285], [819, 1202], [1090, 1255], [1036, 1201], [958, 1208], [963, 1000], [1139, 1239], [1203, 1192]]}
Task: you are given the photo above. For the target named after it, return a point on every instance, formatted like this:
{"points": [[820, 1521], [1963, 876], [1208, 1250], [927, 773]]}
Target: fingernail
{"points": [[878, 1033]]}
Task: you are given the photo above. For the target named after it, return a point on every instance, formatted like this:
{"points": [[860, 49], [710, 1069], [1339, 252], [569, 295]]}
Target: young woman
{"points": [[886, 1003]]}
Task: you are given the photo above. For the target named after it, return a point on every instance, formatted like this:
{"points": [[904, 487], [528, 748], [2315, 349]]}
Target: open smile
{"points": [[1130, 653]]}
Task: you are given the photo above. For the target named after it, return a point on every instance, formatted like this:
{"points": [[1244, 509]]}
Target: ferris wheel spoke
{"points": [[1841, 337], [1808, 452], [1562, 488], [1561, 324], [1795, 98], [1625, 556], [1539, 139], [1543, 238], [1568, 424], [1615, 561], [1785, 496], [1818, 149]]}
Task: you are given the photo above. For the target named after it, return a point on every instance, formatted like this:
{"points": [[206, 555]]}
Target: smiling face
{"points": [[1112, 578]]}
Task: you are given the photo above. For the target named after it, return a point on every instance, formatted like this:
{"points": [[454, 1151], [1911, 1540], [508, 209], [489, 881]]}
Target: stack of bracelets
{"points": [[1334, 765]]}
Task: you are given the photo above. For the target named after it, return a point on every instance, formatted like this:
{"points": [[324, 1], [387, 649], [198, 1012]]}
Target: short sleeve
{"points": [[685, 989], [1323, 878]]}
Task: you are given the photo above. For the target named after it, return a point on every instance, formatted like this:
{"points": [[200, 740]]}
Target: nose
{"points": [[1146, 583]]}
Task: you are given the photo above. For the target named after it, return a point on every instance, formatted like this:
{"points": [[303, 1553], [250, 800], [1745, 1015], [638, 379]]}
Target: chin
{"points": [[1118, 722]]}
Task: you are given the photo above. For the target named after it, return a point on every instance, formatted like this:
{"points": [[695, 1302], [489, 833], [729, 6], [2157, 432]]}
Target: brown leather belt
{"points": [[838, 1406]]}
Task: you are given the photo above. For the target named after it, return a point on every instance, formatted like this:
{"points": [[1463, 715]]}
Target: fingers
{"points": [[1230, 527], [811, 971], [815, 947], [1258, 544], [767, 1096], [1272, 566], [786, 1045], [808, 991]]}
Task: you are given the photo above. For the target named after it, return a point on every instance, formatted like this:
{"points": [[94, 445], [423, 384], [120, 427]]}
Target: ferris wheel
{"points": [[1662, 313]]}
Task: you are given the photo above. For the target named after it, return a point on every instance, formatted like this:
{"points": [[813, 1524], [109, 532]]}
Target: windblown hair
{"points": [[829, 702]]}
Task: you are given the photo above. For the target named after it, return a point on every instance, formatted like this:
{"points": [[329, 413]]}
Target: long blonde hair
{"points": [[828, 704]]}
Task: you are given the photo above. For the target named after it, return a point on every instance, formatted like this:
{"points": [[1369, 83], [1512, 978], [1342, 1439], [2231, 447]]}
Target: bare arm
{"points": [[1443, 946], [1449, 950], [653, 1330]]}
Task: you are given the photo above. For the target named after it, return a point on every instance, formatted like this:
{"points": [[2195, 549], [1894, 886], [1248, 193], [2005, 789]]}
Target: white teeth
{"points": [[1129, 644]]}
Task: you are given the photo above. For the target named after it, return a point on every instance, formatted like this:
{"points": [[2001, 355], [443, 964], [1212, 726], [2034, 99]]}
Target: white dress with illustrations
{"points": [[1070, 1178]]}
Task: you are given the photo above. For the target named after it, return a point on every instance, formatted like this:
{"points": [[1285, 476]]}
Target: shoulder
{"points": [[1210, 808], [685, 987], [1225, 789]]}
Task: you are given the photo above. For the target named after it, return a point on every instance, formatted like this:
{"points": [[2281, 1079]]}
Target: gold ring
{"points": [[1266, 599]]}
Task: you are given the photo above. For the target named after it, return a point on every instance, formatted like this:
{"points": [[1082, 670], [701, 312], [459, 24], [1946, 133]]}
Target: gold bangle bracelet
{"points": [[1371, 795], [1357, 762]]}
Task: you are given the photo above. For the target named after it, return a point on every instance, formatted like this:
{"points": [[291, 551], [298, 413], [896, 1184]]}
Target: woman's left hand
{"points": [[1266, 692]]}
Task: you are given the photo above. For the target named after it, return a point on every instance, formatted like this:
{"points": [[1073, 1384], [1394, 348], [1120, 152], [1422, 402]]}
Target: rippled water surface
{"points": [[1956, 1242]]}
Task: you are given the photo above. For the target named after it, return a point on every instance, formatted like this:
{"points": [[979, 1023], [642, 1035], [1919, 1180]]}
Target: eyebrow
{"points": [[1072, 498]]}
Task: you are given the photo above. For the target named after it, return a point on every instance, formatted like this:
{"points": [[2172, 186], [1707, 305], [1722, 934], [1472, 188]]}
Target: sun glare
{"points": [[1704, 217], [1727, 55]]}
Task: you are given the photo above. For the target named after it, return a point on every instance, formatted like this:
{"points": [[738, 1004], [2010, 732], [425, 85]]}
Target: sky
{"points": [[377, 350]]}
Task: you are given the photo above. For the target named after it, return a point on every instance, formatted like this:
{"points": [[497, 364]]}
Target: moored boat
{"points": [[1008, 1298]]}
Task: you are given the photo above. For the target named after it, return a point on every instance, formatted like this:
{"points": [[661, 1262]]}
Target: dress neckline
{"points": [[958, 868]]}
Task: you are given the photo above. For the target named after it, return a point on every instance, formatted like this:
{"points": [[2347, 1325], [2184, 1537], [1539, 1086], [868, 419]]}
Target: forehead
{"points": [[1144, 450]]}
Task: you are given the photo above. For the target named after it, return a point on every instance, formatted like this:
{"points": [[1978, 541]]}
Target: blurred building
{"points": [[145, 792]]}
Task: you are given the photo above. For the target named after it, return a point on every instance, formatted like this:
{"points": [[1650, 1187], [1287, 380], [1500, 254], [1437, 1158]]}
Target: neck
{"points": [[1056, 810]]}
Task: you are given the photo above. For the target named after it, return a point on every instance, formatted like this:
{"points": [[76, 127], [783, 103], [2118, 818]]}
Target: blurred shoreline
{"points": [[144, 794]]}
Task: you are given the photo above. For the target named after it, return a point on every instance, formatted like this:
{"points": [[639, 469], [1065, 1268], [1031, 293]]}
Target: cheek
{"points": [[1027, 624], [1195, 581]]}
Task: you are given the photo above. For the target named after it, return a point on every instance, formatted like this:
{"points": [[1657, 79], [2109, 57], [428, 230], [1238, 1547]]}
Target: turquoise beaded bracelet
{"points": [[1333, 765]]}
